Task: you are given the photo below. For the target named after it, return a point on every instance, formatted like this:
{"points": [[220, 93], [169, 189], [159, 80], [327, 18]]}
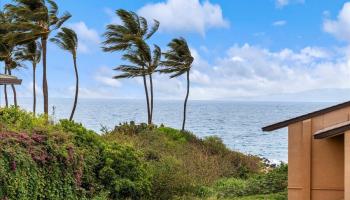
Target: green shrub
{"points": [[182, 164], [65, 161], [15, 119], [274, 181], [40, 160]]}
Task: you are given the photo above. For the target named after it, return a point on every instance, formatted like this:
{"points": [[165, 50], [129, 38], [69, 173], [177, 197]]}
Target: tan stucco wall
{"points": [[316, 167]]}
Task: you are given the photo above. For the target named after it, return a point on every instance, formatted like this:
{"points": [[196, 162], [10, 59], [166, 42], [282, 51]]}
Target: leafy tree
{"points": [[130, 37], [178, 61], [67, 40], [40, 18], [31, 52]]}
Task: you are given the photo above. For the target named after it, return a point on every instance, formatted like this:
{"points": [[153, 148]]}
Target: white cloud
{"points": [[104, 75], [283, 3], [252, 71], [199, 77], [185, 15], [114, 18], [339, 27], [279, 23], [88, 37]]}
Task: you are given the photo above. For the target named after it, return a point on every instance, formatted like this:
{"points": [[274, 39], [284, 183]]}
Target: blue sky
{"points": [[254, 49]]}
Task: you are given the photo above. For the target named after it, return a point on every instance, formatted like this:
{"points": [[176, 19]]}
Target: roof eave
{"points": [[286, 123]]}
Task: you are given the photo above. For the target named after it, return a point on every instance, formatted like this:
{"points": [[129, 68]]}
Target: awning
{"points": [[9, 80], [333, 131]]}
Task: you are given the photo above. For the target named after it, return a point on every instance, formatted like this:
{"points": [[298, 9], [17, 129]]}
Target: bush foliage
{"points": [[41, 160], [65, 161]]}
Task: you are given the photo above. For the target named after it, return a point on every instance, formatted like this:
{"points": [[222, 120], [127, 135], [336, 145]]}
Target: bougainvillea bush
{"points": [[65, 161]]}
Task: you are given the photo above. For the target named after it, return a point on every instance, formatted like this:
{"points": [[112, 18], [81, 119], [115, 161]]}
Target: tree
{"points": [[31, 52], [41, 18], [130, 37], [178, 61], [67, 40], [8, 43]]}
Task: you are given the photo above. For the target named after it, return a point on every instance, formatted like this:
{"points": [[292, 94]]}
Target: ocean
{"points": [[238, 124]]}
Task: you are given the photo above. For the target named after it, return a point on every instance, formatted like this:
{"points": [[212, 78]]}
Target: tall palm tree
{"points": [[67, 40], [178, 61], [141, 68], [157, 54], [13, 64], [31, 52], [8, 43], [41, 17], [3, 49], [131, 37]]}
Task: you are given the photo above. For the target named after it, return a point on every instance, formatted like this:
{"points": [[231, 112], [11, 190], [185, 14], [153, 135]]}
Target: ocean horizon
{"points": [[237, 123]]}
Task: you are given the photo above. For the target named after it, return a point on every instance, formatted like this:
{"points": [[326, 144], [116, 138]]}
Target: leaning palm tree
{"points": [[8, 43], [2, 58], [178, 61], [141, 68], [67, 40], [153, 65], [13, 64], [41, 17], [31, 52], [130, 37]]}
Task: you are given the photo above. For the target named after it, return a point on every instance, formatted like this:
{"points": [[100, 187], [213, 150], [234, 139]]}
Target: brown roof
{"points": [[9, 80], [332, 131], [285, 123]]}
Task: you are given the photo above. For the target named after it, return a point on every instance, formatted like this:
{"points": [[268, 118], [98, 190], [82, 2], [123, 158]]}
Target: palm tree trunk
{"points": [[5, 91], [185, 104], [45, 87], [151, 86], [147, 100], [13, 90], [76, 88], [34, 88]]}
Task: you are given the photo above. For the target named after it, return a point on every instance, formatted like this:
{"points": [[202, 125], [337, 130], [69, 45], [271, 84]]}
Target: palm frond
{"points": [[67, 40], [178, 59], [154, 29]]}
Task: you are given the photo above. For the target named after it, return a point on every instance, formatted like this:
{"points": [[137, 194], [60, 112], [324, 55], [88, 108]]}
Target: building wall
{"points": [[316, 167]]}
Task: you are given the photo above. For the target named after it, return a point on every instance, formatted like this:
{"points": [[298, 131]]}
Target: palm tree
{"points": [[157, 54], [31, 52], [131, 37], [67, 40], [178, 61], [3, 50], [140, 68], [41, 17], [13, 64], [8, 43]]}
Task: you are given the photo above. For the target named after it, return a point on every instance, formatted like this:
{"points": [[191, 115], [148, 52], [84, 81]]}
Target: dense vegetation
{"points": [[67, 161]]}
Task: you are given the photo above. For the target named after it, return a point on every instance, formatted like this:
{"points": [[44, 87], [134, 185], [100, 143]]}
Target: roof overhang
{"points": [[9, 80], [333, 131], [286, 123]]}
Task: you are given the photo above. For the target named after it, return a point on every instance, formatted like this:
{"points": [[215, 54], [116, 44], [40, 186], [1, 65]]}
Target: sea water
{"points": [[238, 124]]}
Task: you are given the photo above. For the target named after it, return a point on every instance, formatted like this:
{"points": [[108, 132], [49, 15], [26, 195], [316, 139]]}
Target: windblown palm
{"points": [[40, 17], [178, 61], [8, 43], [67, 40], [31, 52], [131, 37]]}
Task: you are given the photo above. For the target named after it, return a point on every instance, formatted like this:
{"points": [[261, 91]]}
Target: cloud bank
{"points": [[185, 15]]}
